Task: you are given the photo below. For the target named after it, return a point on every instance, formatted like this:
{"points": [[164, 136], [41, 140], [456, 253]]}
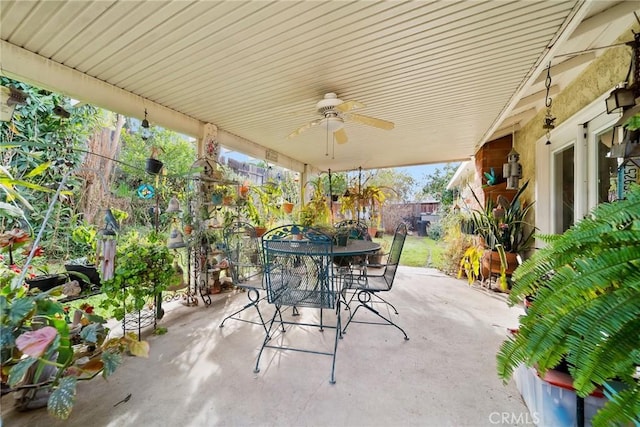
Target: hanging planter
{"points": [[154, 166]]}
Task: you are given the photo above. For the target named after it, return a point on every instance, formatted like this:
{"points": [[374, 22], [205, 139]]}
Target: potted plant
{"points": [[263, 206], [143, 269], [585, 310], [153, 165], [503, 230], [218, 193], [46, 351], [315, 212]]}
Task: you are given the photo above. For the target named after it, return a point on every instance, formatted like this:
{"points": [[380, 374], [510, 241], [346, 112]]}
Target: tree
{"points": [[436, 184]]}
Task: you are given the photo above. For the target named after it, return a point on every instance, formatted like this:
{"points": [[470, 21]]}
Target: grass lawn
{"points": [[419, 251]]}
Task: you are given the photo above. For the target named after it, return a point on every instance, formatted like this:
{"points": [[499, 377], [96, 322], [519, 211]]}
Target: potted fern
{"points": [[586, 307]]}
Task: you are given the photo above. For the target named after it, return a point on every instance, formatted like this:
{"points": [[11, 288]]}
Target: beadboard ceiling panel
{"points": [[446, 73]]}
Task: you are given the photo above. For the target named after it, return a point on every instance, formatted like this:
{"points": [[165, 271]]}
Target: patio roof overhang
{"points": [[450, 75]]}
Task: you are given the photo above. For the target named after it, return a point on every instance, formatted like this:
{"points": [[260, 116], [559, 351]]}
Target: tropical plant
{"points": [[470, 264], [315, 211], [504, 222], [144, 269], [263, 205], [44, 353], [586, 307]]}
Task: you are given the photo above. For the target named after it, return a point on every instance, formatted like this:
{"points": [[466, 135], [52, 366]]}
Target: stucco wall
{"points": [[600, 77]]}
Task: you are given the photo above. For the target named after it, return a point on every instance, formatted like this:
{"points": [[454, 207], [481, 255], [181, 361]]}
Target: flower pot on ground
{"points": [[491, 263], [503, 225]]}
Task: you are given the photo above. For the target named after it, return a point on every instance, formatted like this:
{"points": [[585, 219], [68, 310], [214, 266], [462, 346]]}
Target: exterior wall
{"points": [[600, 77]]}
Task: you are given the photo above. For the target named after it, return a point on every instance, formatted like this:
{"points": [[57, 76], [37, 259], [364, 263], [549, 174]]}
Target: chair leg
{"points": [[395, 310], [254, 300], [365, 299], [335, 345], [268, 337]]}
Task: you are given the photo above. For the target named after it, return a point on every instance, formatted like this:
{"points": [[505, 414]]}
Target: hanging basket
{"points": [[154, 166]]}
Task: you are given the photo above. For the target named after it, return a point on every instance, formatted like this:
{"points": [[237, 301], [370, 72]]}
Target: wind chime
{"points": [[549, 120]]}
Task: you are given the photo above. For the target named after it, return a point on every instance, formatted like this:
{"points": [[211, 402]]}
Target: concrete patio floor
{"points": [[199, 374]]}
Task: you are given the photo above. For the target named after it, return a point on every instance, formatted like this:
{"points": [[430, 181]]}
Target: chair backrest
{"points": [[357, 230], [298, 269], [244, 253], [393, 260]]}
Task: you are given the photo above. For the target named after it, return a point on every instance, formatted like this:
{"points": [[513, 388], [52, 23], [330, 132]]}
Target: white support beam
{"points": [[504, 131], [250, 148], [537, 97], [519, 118], [28, 67], [569, 64], [620, 10]]}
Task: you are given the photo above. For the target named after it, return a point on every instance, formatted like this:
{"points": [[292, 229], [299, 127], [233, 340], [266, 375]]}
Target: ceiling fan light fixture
{"points": [[332, 124]]}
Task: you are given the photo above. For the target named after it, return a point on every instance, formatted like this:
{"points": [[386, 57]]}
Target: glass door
{"points": [[564, 189]]}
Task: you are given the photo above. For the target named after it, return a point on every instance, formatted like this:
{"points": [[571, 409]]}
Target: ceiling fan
{"points": [[335, 112]]}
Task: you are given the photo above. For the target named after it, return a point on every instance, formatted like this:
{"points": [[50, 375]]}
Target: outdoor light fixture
{"points": [[624, 97], [9, 98], [620, 97]]}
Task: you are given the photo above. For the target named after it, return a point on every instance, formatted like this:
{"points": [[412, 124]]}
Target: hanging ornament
{"points": [[146, 191]]}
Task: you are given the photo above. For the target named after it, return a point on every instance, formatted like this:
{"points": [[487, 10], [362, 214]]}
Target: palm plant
{"points": [[586, 285]]}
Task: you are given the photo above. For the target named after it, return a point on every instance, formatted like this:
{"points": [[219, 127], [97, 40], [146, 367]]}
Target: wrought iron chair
{"points": [[244, 253], [368, 284], [298, 273]]}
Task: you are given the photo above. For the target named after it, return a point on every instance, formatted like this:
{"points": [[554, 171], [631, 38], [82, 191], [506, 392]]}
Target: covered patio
{"points": [[450, 77], [201, 374]]}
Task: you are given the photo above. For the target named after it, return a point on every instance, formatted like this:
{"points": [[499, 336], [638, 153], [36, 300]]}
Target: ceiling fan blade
{"points": [[371, 121], [341, 136], [348, 106], [303, 128]]}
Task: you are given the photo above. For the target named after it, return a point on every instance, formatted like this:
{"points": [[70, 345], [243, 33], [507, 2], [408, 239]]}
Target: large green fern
{"points": [[586, 285]]}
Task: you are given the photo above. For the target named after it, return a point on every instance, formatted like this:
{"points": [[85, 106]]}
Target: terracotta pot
{"points": [[260, 231], [287, 207], [188, 229], [491, 263]]}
